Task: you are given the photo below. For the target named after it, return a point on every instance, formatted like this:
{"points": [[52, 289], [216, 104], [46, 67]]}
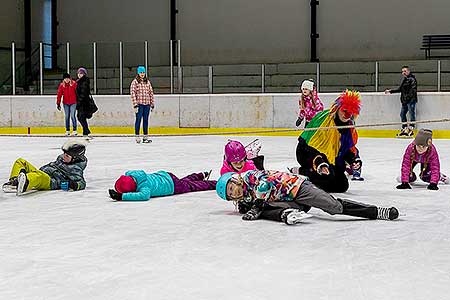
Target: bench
{"points": [[435, 42]]}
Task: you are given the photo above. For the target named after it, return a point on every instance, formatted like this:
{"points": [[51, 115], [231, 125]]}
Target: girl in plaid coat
{"points": [[143, 102]]}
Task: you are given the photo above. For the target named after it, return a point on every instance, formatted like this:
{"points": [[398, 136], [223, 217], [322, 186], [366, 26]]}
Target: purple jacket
{"points": [[430, 157]]}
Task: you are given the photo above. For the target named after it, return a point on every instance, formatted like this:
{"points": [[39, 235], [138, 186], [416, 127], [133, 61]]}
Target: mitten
{"points": [[432, 186], [135, 109], [403, 186], [152, 106], [252, 214], [115, 195], [299, 121]]}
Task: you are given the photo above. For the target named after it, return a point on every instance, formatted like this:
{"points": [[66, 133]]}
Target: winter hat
{"points": [[125, 184], [423, 137], [141, 69], [82, 71], [66, 75], [308, 84]]}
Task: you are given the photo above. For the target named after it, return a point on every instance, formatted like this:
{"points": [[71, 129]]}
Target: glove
{"points": [[323, 169], [403, 186], [58, 107], [152, 107], [432, 186], [135, 109], [299, 121], [73, 185], [115, 195], [244, 206], [252, 214]]}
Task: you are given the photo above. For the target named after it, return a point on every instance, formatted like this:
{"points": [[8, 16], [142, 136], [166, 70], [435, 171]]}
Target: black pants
{"points": [[335, 182], [83, 121]]}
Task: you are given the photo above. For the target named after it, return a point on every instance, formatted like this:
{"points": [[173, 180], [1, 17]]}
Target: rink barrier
{"points": [[165, 131]]}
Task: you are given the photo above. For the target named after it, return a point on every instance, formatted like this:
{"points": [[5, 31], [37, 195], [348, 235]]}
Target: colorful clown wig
{"points": [[349, 102]]}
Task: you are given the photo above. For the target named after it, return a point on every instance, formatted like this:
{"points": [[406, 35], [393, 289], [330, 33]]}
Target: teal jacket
{"points": [[149, 185]]}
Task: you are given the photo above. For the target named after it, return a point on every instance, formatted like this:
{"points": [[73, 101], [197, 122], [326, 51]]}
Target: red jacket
{"points": [[68, 93]]}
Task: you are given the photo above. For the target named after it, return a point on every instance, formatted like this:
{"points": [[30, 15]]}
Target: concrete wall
{"points": [[217, 111], [234, 31]]}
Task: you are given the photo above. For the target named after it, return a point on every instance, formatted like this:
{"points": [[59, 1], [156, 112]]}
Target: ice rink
{"points": [[82, 245]]}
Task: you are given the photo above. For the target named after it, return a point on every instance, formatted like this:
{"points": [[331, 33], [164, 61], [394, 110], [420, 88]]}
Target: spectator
{"points": [[83, 108], [67, 90], [143, 102], [408, 98]]}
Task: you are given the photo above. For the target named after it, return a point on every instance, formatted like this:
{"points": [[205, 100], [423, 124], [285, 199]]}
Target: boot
{"points": [[22, 183], [387, 213], [292, 216], [11, 185]]}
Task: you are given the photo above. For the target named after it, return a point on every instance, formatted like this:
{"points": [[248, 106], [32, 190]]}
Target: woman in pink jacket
{"points": [[239, 159], [309, 103], [422, 151]]}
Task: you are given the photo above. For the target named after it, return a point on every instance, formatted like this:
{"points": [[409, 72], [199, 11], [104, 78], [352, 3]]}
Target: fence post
{"points": [[13, 66], [68, 57], [263, 75], [171, 66], [94, 50], [146, 55], [439, 76], [180, 71], [318, 76], [41, 70], [120, 69], [376, 76], [210, 79]]}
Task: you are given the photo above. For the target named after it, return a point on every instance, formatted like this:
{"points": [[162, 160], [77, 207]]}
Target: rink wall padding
{"points": [[214, 113]]}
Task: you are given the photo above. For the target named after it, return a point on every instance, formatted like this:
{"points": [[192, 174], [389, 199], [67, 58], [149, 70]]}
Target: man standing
{"points": [[408, 90]]}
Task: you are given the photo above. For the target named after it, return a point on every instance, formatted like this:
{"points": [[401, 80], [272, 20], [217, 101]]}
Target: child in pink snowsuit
{"points": [[309, 103], [422, 151], [239, 159]]}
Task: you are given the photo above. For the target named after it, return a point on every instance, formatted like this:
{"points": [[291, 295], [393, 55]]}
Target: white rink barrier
{"points": [[218, 110]]}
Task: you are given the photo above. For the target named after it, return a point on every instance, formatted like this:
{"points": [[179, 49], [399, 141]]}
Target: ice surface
{"points": [[81, 245]]}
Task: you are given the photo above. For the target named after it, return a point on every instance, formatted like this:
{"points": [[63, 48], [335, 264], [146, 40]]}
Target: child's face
{"points": [[238, 166], [235, 191], [142, 75], [67, 158], [344, 116], [421, 149], [67, 80], [306, 92]]}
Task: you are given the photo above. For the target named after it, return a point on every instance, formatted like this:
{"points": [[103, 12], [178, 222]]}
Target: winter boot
{"points": [[387, 213], [292, 216], [146, 140], [10, 186], [22, 183]]}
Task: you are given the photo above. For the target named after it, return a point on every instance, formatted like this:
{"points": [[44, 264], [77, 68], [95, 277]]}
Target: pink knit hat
{"points": [[125, 184]]}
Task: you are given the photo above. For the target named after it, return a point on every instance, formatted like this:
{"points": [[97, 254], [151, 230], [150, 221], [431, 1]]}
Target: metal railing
{"points": [[168, 75]]}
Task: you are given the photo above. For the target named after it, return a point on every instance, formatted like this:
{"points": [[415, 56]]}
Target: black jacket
{"points": [[408, 89], [83, 91]]}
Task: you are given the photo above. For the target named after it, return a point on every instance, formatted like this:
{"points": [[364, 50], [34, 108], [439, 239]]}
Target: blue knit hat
{"points": [[141, 69]]}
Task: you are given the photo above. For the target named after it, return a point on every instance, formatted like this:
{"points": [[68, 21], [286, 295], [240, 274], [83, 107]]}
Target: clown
{"points": [[324, 154]]}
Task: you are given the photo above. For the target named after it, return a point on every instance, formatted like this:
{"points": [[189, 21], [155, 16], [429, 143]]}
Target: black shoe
{"points": [[385, 213]]}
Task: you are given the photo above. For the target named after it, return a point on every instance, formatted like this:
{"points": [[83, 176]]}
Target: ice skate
{"points": [[67, 133], [292, 216], [387, 213], [207, 174], [74, 133], [294, 170], [403, 133], [444, 179], [356, 176], [10, 186], [253, 149], [146, 140], [138, 139], [22, 183]]}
